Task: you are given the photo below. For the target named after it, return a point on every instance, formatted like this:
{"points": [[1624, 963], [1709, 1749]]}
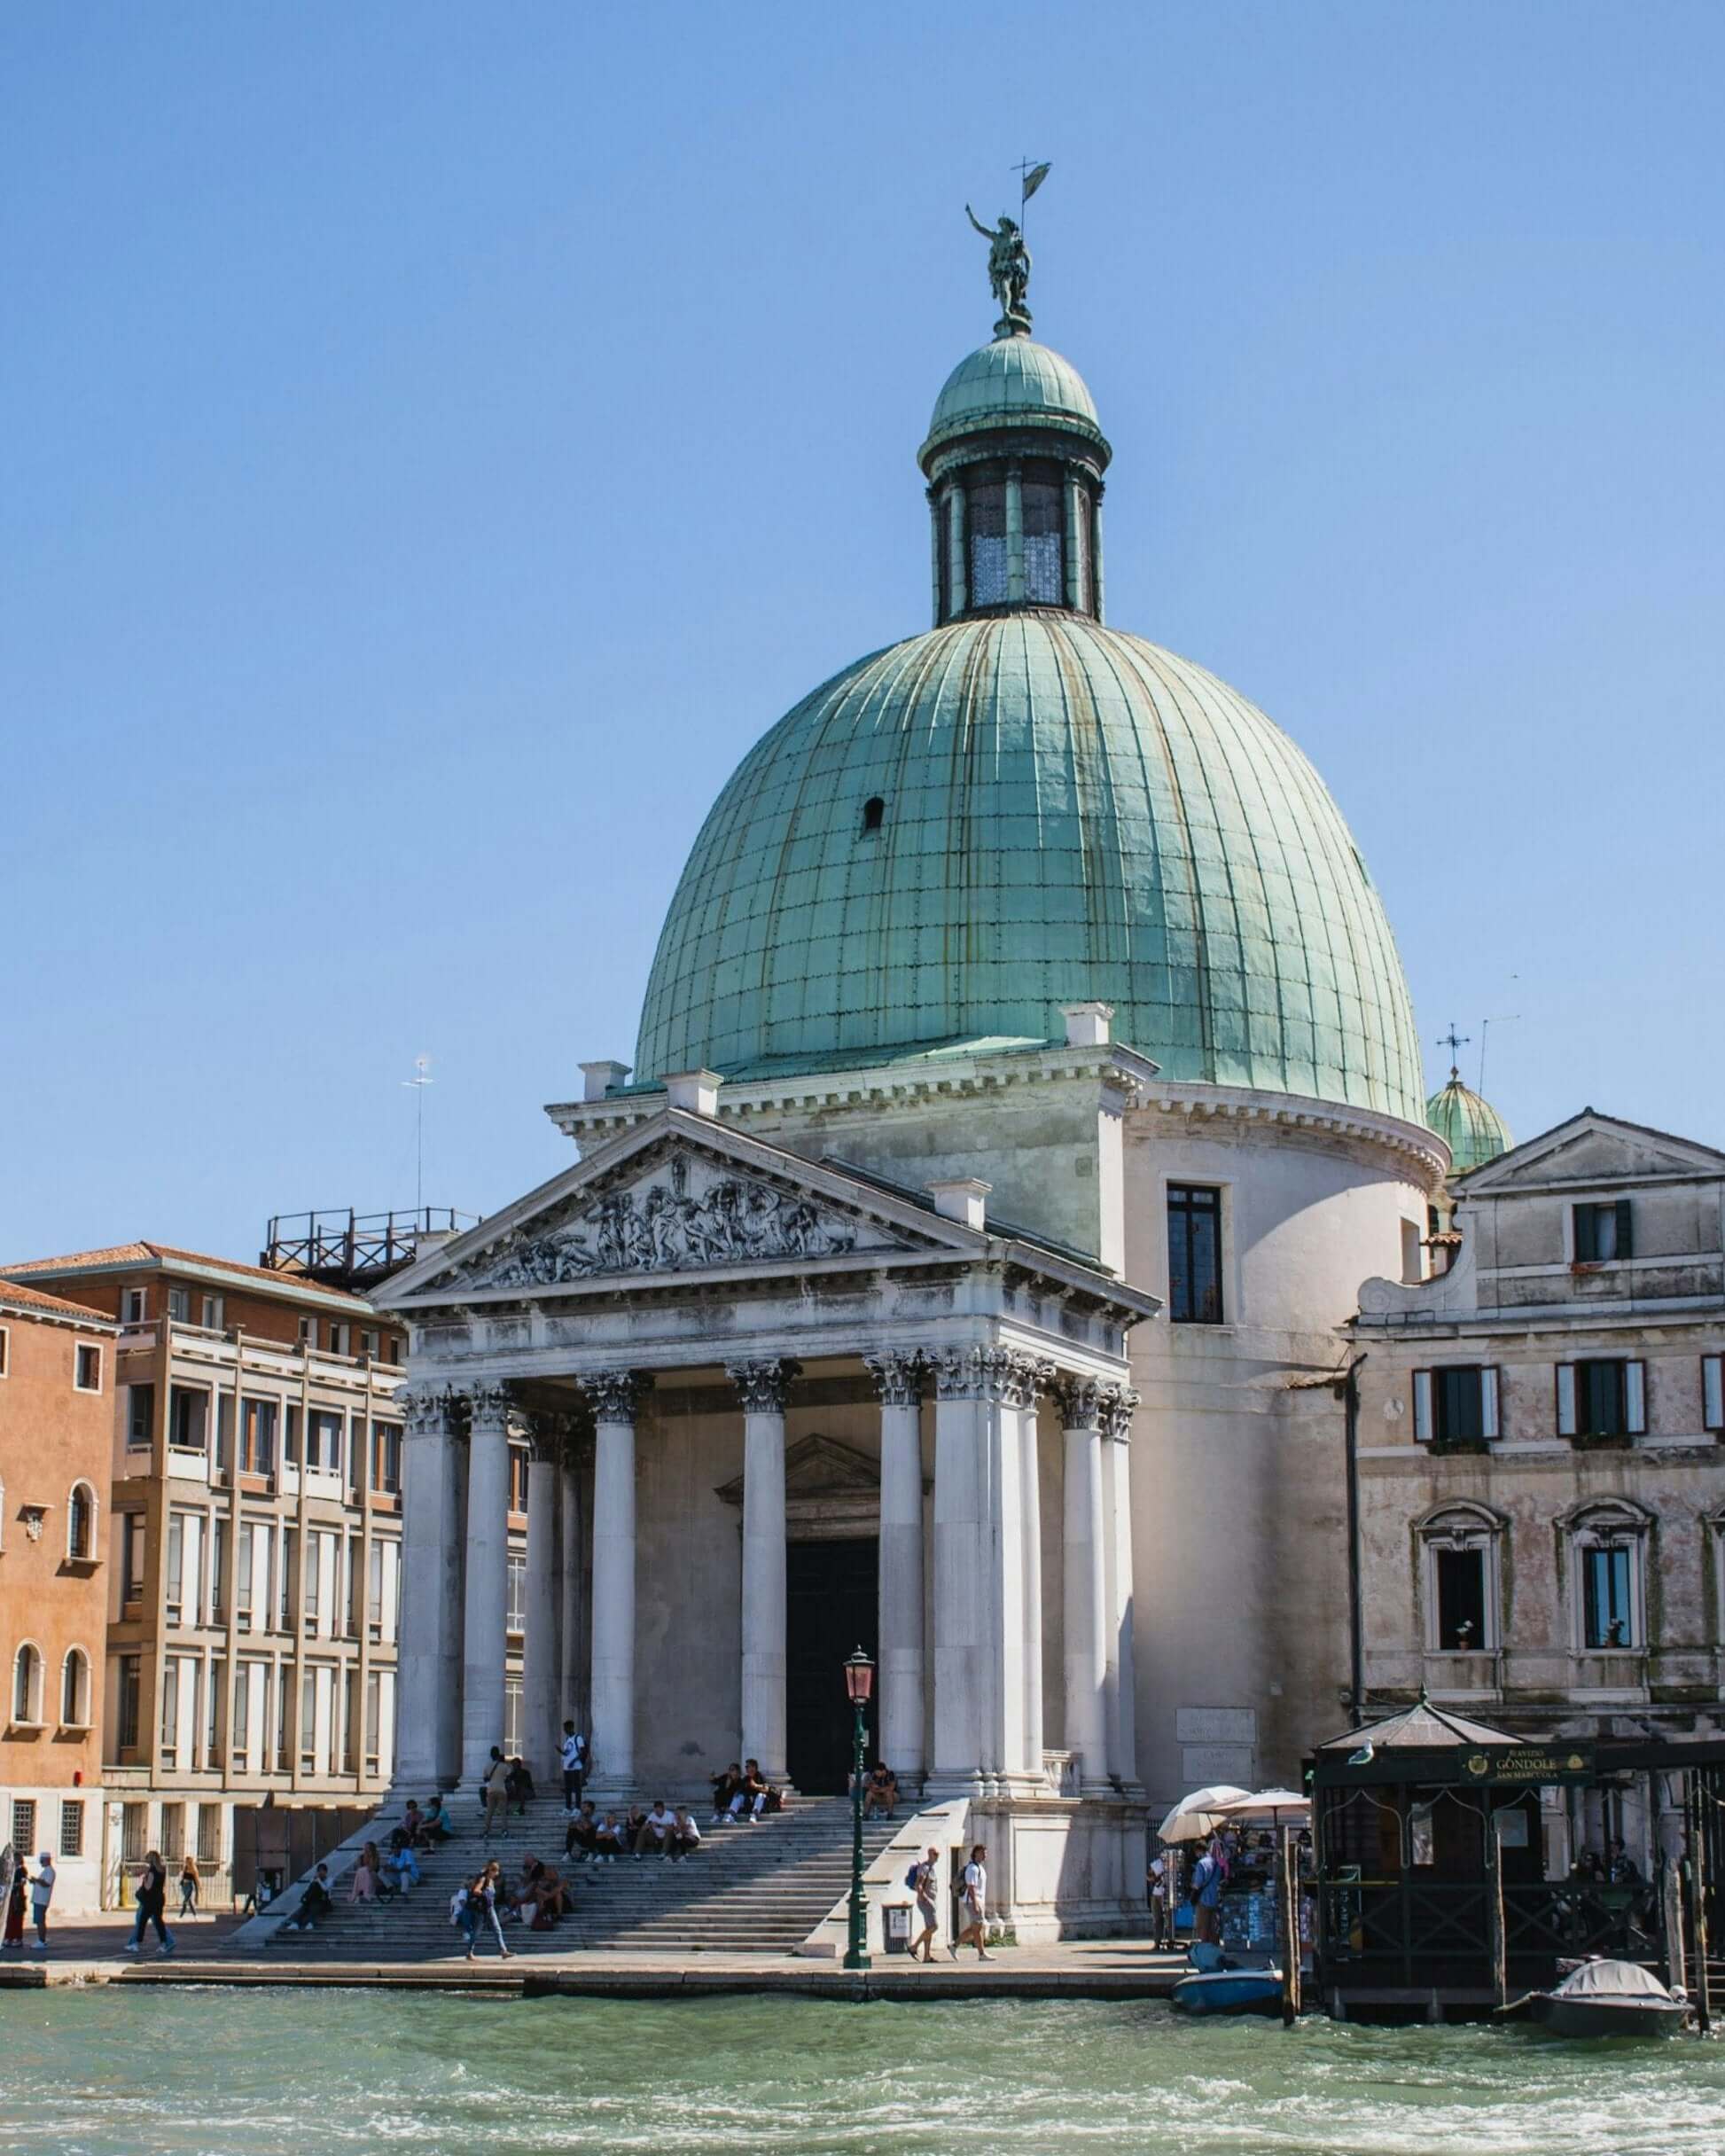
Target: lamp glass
{"points": [[859, 1676]]}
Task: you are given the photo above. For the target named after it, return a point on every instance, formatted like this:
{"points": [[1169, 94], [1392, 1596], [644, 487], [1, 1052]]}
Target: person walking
{"points": [[925, 1884], [974, 1895], [152, 1884], [17, 1900], [190, 1880], [495, 1786], [482, 1907], [575, 1767], [42, 1893]]}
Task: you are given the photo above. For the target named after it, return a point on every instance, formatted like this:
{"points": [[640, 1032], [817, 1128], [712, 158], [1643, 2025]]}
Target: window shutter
{"points": [[1713, 1392], [1587, 1241], [1422, 1406], [1489, 1403], [1625, 1247], [1635, 1398], [1565, 1400]]}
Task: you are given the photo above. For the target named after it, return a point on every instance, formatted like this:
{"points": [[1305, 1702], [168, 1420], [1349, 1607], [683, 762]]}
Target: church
{"points": [[1026, 1082]]}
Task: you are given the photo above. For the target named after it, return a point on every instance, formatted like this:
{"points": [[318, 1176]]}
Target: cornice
{"points": [[1198, 1102]]}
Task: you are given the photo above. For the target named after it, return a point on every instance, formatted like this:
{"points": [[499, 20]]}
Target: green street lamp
{"points": [[859, 1682]]}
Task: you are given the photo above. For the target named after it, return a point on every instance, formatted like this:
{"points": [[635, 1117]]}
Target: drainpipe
{"points": [[1356, 1645]]}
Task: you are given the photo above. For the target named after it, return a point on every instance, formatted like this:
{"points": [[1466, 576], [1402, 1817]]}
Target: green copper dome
{"points": [[1471, 1128], [1021, 809], [1012, 382]]}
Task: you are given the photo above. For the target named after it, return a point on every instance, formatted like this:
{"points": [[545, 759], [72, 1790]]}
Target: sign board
{"points": [[1201, 1765], [1216, 1725], [1558, 1762]]}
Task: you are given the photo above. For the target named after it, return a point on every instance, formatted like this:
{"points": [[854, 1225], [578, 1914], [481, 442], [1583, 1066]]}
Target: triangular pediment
{"points": [[817, 1466], [679, 1195], [1593, 1151]]}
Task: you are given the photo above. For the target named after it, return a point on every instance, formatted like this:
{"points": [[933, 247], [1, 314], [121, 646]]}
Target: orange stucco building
{"points": [[57, 1396]]}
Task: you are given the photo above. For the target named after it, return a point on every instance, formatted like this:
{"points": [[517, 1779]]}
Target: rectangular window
{"points": [[520, 1466], [212, 1313], [309, 1331], [1608, 1616], [394, 1355], [290, 1433], [374, 1588], [309, 1718], [373, 1719], [1460, 1579], [513, 1717], [140, 1415], [88, 1375], [367, 1343], [355, 1585], [289, 1575], [209, 1833], [72, 1826], [171, 1709], [179, 1305], [386, 1457], [349, 1703], [242, 1714], [131, 1306], [340, 1336], [1602, 1232], [134, 1825], [257, 1439], [1194, 1254], [24, 1823], [516, 1619], [131, 1556], [218, 1679], [176, 1564], [247, 1559], [188, 1417], [324, 1440], [1043, 505], [988, 533], [218, 1571], [225, 1431], [173, 1833], [1713, 1392], [1602, 1399], [1455, 1405], [131, 1672]]}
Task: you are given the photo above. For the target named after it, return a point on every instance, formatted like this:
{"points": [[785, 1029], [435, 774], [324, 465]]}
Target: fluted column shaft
{"points": [[615, 1395], [898, 1645], [1030, 1529], [429, 1685], [1117, 1508], [1085, 1600], [763, 1388], [573, 1673], [541, 1687], [486, 1605]]}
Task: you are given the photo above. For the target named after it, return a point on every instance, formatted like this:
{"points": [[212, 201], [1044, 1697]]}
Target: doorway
{"points": [[832, 1606]]}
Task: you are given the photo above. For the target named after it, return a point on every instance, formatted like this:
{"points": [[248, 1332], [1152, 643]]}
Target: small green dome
{"points": [[1471, 1128], [956, 836], [1012, 382]]}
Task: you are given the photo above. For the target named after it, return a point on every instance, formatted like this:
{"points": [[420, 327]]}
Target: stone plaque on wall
{"points": [[1202, 1764], [1216, 1725]]}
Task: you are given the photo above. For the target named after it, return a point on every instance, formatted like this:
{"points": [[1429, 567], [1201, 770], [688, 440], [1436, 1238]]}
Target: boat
{"points": [[1221, 1985], [1609, 1998]]}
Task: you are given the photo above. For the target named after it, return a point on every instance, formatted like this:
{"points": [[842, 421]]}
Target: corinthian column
{"points": [[763, 1388], [616, 1396], [1085, 1601], [1118, 1402], [899, 1649], [485, 1614], [540, 1685], [428, 1688]]}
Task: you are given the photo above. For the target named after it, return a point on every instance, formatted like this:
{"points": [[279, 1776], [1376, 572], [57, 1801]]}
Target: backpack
{"points": [[911, 1877], [457, 1903]]}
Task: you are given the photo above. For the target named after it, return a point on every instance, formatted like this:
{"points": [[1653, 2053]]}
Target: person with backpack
{"points": [[922, 1879], [575, 1767], [973, 1905], [495, 1787]]}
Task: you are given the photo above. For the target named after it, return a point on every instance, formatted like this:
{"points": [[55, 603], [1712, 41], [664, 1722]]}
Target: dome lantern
{"points": [[1468, 1124]]}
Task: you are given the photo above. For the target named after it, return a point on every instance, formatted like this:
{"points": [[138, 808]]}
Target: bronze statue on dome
{"points": [[1009, 273]]}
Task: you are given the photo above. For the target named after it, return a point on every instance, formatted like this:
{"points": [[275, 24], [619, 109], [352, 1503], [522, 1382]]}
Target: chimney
{"points": [[1087, 1024], [962, 1198], [696, 1091], [597, 1079]]}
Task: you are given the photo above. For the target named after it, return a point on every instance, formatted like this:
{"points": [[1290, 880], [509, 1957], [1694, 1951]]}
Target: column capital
{"points": [[551, 1432], [1081, 1401], [1118, 1402], [485, 1403], [764, 1386], [423, 1409], [1004, 1374], [616, 1394], [899, 1379]]}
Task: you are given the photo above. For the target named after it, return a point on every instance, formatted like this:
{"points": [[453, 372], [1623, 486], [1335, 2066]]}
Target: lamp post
{"points": [[859, 1683]]}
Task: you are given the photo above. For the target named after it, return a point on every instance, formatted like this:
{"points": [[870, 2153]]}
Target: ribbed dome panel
{"points": [[1067, 813]]}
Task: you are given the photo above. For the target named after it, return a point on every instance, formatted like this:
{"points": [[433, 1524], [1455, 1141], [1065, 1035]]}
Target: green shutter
{"points": [[1625, 1249], [1586, 1242]]}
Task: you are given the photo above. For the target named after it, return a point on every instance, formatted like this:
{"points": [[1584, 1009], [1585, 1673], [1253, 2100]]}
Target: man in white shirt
{"points": [[974, 1906], [655, 1830], [685, 1837], [575, 1767], [42, 1893]]}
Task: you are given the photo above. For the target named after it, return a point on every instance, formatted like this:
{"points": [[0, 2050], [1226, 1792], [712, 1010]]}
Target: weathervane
{"points": [[1009, 258]]}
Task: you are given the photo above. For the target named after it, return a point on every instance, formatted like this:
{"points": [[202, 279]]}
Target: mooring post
{"points": [[1500, 1969]]}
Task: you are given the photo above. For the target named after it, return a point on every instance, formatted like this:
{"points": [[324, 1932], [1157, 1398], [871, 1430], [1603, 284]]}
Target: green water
{"points": [[219, 2072]]}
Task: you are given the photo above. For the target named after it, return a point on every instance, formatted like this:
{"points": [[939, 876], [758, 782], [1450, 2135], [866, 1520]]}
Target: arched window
{"points": [[26, 1685], [75, 1690], [1463, 1579], [81, 1524], [874, 813], [1608, 1575]]}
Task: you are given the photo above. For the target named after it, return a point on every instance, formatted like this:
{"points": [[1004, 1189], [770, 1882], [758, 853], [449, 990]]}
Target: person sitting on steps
{"points": [[685, 1837], [654, 1831], [314, 1903], [726, 1787], [580, 1837], [880, 1792], [757, 1796], [517, 1784]]}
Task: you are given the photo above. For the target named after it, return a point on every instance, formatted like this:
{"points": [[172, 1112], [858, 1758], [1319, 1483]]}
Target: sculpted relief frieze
{"points": [[687, 1215]]}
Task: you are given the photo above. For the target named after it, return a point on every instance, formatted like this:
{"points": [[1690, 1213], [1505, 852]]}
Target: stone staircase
{"points": [[748, 1890]]}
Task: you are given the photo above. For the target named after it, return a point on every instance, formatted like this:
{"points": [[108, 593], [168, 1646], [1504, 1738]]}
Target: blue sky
{"points": [[440, 440]]}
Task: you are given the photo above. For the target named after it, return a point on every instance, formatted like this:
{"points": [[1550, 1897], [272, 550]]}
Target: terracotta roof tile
{"points": [[118, 1255], [20, 1297]]}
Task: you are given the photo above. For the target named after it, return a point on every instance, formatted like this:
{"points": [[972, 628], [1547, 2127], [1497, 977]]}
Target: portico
{"points": [[720, 1352]]}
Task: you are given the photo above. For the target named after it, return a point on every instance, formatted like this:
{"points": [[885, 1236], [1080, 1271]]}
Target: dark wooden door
{"points": [[832, 1606]]}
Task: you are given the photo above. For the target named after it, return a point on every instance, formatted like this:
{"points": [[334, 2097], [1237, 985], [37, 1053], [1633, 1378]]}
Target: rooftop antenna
{"points": [[1505, 1018], [1454, 1042], [417, 1085]]}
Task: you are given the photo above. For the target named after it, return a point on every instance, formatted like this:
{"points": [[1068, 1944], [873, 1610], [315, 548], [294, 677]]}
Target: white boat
{"points": [[1609, 1998]]}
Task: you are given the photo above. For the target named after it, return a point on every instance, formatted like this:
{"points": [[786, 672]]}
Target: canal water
{"points": [[190, 2072]]}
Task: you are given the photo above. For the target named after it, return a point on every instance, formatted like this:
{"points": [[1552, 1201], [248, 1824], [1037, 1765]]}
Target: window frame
{"points": [[1177, 1197], [34, 1677], [1712, 1392], [179, 1306], [1431, 1416], [81, 1350], [1584, 1222], [82, 1695], [1458, 1527], [89, 1554], [1614, 1524], [5, 1351], [1631, 1399]]}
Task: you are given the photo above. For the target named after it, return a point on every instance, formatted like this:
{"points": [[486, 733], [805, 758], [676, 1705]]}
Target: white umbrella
{"points": [[1196, 1817], [1271, 1800]]}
